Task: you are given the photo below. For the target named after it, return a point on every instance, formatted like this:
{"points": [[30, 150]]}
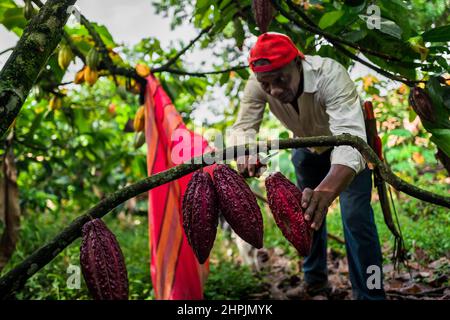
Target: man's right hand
{"points": [[247, 166]]}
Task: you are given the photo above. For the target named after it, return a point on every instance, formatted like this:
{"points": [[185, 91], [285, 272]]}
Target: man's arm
{"points": [[248, 122], [343, 107]]}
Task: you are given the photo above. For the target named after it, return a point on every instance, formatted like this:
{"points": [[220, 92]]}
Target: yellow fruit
{"points": [[65, 56], [139, 119], [91, 76], [79, 77], [142, 70], [55, 103]]}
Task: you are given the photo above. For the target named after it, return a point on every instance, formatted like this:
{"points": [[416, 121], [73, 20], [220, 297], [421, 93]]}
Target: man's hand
{"points": [[316, 202], [247, 166]]}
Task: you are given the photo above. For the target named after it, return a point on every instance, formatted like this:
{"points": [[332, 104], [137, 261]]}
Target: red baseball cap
{"points": [[277, 48]]}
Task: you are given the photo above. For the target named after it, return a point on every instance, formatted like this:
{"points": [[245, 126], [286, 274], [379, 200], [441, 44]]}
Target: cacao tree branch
{"points": [[337, 42], [332, 37], [203, 73], [16, 278], [172, 60], [6, 50], [39, 40]]}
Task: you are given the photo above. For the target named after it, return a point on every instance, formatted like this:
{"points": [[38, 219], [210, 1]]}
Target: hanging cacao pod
{"points": [[65, 56], [422, 104], [284, 200], [263, 12], [55, 103], [28, 10], [93, 58], [200, 214], [139, 119], [238, 205], [142, 70], [102, 262], [139, 140], [90, 75], [79, 76]]}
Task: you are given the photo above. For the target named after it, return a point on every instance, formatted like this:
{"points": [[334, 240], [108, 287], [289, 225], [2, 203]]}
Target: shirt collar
{"points": [[309, 76]]}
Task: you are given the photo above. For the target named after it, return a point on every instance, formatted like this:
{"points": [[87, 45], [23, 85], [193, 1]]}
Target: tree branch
{"points": [[6, 50], [200, 73], [39, 40], [17, 277], [172, 60], [337, 42]]}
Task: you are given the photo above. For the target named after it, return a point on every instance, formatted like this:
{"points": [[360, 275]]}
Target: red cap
{"points": [[275, 47]]}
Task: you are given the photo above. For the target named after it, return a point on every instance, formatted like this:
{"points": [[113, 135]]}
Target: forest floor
{"points": [[418, 281]]}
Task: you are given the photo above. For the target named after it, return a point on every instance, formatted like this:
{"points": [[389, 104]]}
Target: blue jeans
{"points": [[361, 237]]}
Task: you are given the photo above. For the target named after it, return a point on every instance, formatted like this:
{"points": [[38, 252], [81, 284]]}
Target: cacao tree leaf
{"points": [[441, 137], [12, 18], [330, 18], [439, 34]]}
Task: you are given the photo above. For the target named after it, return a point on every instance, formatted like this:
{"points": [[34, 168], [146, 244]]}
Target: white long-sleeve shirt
{"points": [[329, 105]]}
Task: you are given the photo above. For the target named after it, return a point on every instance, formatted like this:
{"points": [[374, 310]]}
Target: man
{"points": [[314, 96]]}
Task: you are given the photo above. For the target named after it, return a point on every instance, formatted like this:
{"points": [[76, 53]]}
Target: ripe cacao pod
{"points": [[65, 56], [142, 70], [79, 76], [139, 119], [421, 104], [93, 58], [200, 214], [284, 200], [102, 262], [90, 75], [263, 12], [238, 205]]}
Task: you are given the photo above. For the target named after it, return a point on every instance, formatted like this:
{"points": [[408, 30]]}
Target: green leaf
{"points": [[330, 18], [13, 18], [439, 34], [441, 137]]}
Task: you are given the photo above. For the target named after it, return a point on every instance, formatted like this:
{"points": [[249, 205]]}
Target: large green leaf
{"points": [[13, 18], [330, 18], [439, 34]]}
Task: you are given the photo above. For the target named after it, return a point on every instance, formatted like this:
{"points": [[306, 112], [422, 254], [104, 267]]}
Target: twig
{"points": [[16, 278], [6, 50], [172, 60], [202, 74]]}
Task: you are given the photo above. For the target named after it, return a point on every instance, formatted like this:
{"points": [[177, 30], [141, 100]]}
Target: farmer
{"points": [[314, 96]]}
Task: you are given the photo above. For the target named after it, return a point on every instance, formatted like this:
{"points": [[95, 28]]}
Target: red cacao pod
{"points": [[422, 104], [238, 205], [284, 200], [200, 214], [263, 12], [102, 262]]}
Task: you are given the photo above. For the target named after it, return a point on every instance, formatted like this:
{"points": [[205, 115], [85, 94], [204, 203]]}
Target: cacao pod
{"points": [[200, 214], [55, 103], [79, 76], [90, 75], [284, 200], [263, 13], [28, 10], [238, 205], [102, 262], [139, 140], [93, 58], [139, 119], [142, 70], [65, 56], [422, 104]]}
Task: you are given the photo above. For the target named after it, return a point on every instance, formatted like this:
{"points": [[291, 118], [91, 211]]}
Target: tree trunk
{"points": [[30, 55]]}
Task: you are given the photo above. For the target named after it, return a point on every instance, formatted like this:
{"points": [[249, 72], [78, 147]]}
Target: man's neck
{"points": [[294, 103]]}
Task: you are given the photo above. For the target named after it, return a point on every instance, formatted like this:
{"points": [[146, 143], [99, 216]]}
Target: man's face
{"points": [[282, 83]]}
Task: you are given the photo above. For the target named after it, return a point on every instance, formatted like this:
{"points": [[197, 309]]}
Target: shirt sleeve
{"points": [[343, 106], [250, 114]]}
